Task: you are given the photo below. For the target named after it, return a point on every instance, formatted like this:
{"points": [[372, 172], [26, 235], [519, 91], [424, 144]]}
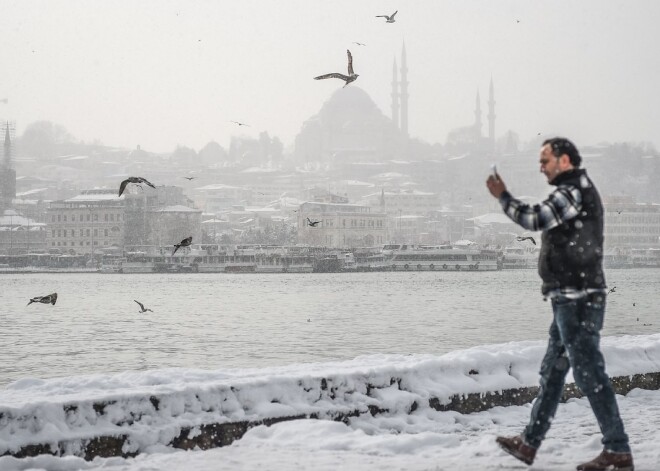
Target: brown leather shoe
{"points": [[516, 447], [607, 461]]}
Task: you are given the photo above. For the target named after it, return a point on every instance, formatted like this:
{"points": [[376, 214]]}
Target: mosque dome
{"points": [[349, 102], [349, 126]]}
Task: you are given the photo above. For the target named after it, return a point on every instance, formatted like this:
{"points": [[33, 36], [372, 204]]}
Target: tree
{"points": [[184, 155], [42, 139], [212, 154]]}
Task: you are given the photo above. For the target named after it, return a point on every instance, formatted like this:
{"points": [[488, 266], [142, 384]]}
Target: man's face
{"points": [[549, 163]]}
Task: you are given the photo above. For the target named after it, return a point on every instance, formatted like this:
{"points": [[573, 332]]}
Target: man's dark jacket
{"points": [[572, 253]]}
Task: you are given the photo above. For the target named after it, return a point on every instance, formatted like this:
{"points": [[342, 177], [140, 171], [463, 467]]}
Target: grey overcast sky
{"points": [[167, 72]]}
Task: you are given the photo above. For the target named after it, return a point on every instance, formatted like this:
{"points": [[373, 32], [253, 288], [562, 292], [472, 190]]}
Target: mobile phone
{"points": [[493, 169]]}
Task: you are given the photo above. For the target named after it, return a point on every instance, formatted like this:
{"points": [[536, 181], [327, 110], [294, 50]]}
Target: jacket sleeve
{"points": [[562, 205]]}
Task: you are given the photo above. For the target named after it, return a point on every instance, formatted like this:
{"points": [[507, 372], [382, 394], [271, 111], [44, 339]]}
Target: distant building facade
{"points": [[86, 223], [630, 225], [341, 225]]}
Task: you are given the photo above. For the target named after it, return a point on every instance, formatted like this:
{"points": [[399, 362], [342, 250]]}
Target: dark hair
{"points": [[561, 146]]}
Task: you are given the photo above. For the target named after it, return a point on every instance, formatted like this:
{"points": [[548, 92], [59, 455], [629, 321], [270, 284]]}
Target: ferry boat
{"points": [[645, 258], [212, 258], [515, 258], [618, 258], [137, 262], [111, 265], [403, 257]]}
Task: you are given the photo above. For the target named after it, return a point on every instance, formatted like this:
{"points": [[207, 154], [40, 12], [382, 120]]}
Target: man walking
{"points": [[570, 266]]}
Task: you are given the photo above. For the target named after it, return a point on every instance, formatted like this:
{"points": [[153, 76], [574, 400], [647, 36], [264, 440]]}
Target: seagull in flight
{"points": [[138, 180], [390, 18], [312, 223], [612, 290], [239, 123], [142, 308], [351, 77], [184, 243], [359, 44], [520, 239], [189, 178], [49, 299]]}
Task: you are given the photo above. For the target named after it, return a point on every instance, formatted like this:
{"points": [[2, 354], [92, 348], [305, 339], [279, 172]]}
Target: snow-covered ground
{"points": [[398, 439]]}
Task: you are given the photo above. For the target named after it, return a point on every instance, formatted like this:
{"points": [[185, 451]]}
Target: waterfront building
{"points": [[341, 225], [141, 213], [630, 225], [20, 234], [86, 223], [171, 224]]}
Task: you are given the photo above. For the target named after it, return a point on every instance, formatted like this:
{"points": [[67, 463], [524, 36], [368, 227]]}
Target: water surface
{"points": [[255, 320]]}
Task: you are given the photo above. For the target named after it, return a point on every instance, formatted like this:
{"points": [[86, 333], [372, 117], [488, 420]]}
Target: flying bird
{"points": [[312, 223], [189, 178], [520, 239], [612, 290], [49, 299], [122, 187], [359, 44], [184, 243], [239, 123], [390, 18], [351, 77], [142, 308]]}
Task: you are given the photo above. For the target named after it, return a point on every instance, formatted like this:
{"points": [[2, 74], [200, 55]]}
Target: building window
{"points": [[64, 218], [105, 217], [88, 234], [59, 218], [53, 232], [96, 232], [52, 218], [105, 232], [88, 217], [112, 217], [81, 232]]}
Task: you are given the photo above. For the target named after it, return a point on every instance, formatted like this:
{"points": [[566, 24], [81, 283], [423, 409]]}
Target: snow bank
{"points": [[128, 413]]}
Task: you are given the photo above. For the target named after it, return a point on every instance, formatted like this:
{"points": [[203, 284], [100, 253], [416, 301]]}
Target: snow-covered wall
{"points": [[127, 413]]}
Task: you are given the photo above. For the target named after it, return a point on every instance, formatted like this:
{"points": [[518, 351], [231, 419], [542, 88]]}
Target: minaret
{"points": [[7, 159], [491, 114], [7, 175], [477, 116], [395, 97], [404, 92]]}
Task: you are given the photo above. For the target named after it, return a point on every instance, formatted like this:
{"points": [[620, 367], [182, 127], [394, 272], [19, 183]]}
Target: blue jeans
{"points": [[574, 343]]}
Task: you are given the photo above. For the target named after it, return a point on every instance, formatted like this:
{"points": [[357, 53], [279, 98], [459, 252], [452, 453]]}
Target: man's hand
{"points": [[495, 185]]}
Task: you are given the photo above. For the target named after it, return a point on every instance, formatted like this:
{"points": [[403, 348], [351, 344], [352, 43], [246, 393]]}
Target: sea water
{"points": [[219, 320]]}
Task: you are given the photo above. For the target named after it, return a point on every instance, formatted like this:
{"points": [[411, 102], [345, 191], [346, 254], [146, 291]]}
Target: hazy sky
{"points": [[162, 73]]}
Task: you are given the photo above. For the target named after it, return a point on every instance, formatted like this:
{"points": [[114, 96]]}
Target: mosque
{"points": [[350, 128]]}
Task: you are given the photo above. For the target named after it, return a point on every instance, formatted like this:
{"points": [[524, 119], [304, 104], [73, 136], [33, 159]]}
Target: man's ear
{"points": [[564, 161]]}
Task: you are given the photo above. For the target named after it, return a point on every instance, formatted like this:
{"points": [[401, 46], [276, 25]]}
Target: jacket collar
{"points": [[567, 175]]}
